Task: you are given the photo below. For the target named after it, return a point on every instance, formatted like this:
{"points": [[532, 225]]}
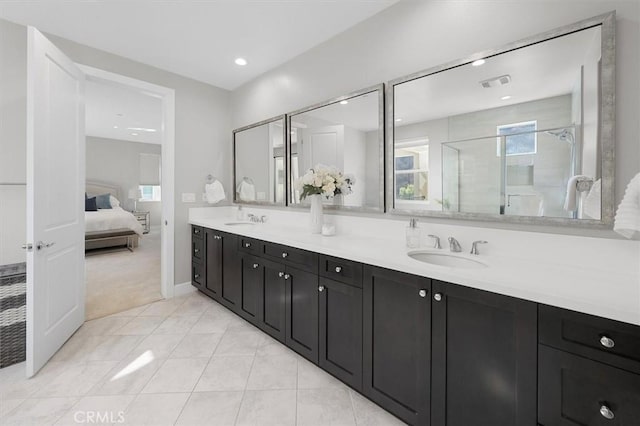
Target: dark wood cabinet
{"points": [[273, 298], [251, 288], [213, 262], [222, 267], [341, 331], [575, 391], [302, 312], [197, 254], [483, 358], [397, 336]]}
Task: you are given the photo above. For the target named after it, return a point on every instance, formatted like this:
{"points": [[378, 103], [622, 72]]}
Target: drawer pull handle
{"points": [[196, 276], [281, 274], [247, 245], [284, 254], [196, 250], [607, 342], [321, 288], [287, 276], [437, 297], [338, 269], [255, 266], [606, 412]]}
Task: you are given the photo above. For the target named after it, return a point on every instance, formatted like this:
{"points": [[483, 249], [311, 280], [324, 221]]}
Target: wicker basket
{"points": [[13, 306]]}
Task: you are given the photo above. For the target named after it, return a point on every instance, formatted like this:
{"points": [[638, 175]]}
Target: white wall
{"points": [[118, 162], [202, 130], [13, 127], [412, 35]]}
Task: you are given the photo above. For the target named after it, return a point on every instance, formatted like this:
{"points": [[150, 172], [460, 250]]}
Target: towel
{"points": [[592, 203], [570, 202], [246, 191], [627, 221], [214, 192]]}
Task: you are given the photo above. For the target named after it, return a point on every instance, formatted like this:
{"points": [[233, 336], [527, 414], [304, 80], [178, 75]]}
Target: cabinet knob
{"points": [[281, 274], [196, 250], [196, 231], [284, 254], [218, 237], [321, 288], [287, 276], [247, 245], [437, 297], [606, 412], [196, 276], [338, 269], [255, 266], [607, 342], [423, 293]]}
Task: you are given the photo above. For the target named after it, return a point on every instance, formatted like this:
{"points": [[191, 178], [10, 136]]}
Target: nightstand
{"points": [[145, 220]]}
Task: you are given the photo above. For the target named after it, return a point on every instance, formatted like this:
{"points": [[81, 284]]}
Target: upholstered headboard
{"points": [[94, 188]]}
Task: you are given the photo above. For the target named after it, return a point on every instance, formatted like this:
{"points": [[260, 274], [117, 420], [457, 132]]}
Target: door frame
{"points": [[167, 96]]}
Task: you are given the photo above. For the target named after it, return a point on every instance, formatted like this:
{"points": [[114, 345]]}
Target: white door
{"points": [[324, 145], [55, 199]]}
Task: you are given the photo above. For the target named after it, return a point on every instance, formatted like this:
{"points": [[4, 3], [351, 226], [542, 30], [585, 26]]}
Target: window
{"points": [[150, 193], [523, 139], [412, 170]]}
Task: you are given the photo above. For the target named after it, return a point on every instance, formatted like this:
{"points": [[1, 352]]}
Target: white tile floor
{"points": [[185, 361]]}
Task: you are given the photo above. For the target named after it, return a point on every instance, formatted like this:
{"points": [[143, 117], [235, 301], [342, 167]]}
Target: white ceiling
{"points": [[197, 39], [544, 70], [114, 112]]}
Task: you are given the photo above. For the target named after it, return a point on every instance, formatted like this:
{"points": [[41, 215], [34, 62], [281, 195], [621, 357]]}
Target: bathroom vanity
{"points": [[427, 350]]}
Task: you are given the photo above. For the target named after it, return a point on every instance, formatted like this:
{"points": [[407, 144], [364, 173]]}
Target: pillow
{"points": [[102, 201], [90, 205], [114, 201]]}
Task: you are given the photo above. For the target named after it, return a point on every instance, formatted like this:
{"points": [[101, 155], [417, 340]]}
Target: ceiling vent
{"points": [[496, 81]]}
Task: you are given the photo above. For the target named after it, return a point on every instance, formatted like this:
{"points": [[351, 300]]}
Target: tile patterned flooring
{"points": [[183, 361]]}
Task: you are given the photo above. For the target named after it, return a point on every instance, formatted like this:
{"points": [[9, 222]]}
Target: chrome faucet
{"points": [[474, 246], [454, 245], [436, 243], [255, 219]]}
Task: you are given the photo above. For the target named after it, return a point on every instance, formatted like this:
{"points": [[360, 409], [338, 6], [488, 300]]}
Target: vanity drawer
{"points": [[251, 245], [197, 231], [302, 259], [197, 274], [577, 391], [601, 339], [197, 249], [344, 271]]}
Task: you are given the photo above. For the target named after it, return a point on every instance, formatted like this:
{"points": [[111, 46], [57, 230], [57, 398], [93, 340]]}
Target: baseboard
{"points": [[183, 288]]}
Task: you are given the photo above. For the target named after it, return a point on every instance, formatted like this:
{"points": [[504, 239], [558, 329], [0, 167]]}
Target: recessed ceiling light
{"points": [[506, 97], [241, 61], [134, 134], [344, 102], [478, 62], [398, 120]]}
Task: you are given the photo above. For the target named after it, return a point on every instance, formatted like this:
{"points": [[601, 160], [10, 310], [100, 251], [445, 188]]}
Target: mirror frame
{"points": [[607, 22], [380, 208], [286, 154]]}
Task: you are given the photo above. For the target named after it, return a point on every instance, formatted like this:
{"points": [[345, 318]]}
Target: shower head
{"points": [[564, 135]]}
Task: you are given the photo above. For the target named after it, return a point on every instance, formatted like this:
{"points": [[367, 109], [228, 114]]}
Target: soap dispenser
{"points": [[413, 234]]}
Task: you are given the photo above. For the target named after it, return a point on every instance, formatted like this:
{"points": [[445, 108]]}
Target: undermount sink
{"points": [[239, 223], [446, 259]]}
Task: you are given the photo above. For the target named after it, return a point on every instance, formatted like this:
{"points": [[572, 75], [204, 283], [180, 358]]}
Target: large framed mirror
{"points": [[259, 163], [523, 133], [345, 134]]}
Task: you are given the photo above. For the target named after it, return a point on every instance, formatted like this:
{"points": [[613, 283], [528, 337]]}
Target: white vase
{"points": [[315, 214], [338, 200]]}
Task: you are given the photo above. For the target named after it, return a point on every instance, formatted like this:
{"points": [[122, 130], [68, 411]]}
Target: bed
{"points": [[113, 227]]}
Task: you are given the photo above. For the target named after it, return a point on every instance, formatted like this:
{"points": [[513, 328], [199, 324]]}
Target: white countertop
{"points": [[592, 289]]}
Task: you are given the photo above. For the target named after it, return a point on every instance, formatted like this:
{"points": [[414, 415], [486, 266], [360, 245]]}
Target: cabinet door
{"points": [[302, 313], [251, 288], [341, 331], [397, 324], [484, 358], [213, 254], [576, 391], [231, 286], [272, 319]]}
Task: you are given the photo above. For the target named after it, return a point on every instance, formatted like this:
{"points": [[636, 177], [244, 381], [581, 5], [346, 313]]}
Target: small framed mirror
{"points": [[523, 133], [345, 135], [259, 163]]}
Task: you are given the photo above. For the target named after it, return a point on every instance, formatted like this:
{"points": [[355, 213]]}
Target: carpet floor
{"points": [[121, 280]]}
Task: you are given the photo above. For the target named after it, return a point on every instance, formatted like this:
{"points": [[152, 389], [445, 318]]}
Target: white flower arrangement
{"points": [[326, 181]]}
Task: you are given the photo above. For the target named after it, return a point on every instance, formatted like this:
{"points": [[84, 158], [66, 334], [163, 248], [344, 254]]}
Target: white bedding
{"points": [[109, 219]]}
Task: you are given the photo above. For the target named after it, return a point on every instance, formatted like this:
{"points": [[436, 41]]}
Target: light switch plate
{"points": [[188, 197]]}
